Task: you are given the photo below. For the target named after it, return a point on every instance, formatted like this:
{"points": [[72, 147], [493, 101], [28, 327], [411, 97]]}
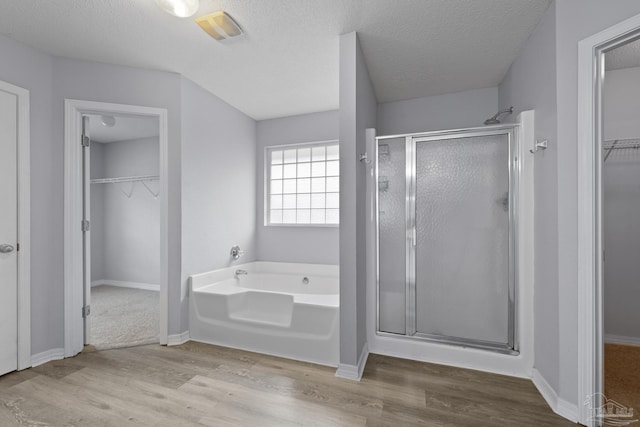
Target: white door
{"points": [[8, 233]]}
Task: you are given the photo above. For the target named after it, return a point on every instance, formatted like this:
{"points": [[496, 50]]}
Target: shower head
{"points": [[494, 120]]}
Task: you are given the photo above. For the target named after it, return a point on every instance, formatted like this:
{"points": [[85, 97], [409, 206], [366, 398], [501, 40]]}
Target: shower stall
{"points": [[446, 234]]}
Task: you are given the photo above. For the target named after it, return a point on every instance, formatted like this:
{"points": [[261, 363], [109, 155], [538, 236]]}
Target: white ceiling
{"points": [[626, 56], [126, 128], [287, 63]]}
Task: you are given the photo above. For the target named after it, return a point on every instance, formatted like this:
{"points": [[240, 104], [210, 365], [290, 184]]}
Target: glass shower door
{"points": [[462, 249], [446, 249]]}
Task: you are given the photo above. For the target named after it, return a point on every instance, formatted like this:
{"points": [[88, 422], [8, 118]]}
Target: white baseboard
{"points": [[559, 406], [132, 285], [621, 339], [567, 410], [354, 372], [544, 388], [178, 338], [47, 356]]}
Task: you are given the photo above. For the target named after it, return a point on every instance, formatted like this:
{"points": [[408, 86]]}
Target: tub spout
{"points": [[239, 272]]}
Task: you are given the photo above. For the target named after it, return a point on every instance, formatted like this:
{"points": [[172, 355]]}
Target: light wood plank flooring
{"points": [[198, 384]]}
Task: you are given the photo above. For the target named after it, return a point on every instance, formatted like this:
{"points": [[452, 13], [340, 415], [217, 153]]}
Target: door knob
{"points": [[5, 249]]}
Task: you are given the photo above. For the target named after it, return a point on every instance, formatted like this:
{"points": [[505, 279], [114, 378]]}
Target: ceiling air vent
{"points": [[219, 25]]}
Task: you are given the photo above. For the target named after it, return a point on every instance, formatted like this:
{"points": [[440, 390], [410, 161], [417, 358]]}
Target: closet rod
{"points": [[125, 179]]}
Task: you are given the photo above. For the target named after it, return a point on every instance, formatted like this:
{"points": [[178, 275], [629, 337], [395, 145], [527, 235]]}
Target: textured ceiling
{"points": [[287, 63], [126, 128], [625, 56]]}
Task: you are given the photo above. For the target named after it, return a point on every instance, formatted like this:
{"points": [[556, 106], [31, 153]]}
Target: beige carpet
{"points": [[123, 317], [622, 375]]}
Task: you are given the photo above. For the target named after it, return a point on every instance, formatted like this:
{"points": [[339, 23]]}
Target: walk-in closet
{"points": [[123, 231]]}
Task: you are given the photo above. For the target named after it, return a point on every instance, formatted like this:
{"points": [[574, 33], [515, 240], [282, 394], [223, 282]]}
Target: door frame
{"points": [[590, 240], [73, 202], [24, 224]]}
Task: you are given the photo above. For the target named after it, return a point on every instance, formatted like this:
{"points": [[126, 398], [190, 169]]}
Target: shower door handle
{"points": [[6, 249]]}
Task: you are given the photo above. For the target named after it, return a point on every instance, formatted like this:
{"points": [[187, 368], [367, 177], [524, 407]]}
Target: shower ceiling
{"points": [[288, 63]]}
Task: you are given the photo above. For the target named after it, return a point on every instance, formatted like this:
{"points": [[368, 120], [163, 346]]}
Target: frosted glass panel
{"points": [[462, 249], [392, 234]]}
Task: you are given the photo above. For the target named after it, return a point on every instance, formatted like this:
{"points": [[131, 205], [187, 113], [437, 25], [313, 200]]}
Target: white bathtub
{"points": [[270, 310]]}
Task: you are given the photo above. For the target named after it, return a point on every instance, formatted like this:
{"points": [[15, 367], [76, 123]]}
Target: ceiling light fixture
{"points": [[179, 8], [219, 25], [108, 121]]}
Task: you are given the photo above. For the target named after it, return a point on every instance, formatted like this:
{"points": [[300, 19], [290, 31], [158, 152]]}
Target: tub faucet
{"points": [[239, 272]]}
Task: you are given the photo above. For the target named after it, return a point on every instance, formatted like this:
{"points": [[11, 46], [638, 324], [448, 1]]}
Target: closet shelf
{"points": [[620, 144], [125, 179]]}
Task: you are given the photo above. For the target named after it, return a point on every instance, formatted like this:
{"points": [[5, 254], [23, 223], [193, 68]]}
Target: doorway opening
{"points": [[602, 144], [116, 230], [621, 224], [122, 237]]}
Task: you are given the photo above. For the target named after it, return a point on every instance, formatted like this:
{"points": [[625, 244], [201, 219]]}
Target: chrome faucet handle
{"points": [[236, 252]]}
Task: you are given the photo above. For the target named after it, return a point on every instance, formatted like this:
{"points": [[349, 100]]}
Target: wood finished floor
{"points": [[199, 384]]}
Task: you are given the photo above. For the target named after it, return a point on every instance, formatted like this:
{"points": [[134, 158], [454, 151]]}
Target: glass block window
{"points": [[303, 184]]}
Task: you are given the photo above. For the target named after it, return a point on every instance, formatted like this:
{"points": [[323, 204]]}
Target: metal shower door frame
{"points": [[513, 167]]}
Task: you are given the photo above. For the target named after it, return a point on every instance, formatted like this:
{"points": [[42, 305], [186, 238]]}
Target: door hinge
{"points": [[86, 225], [86, 311], [86, 141]]}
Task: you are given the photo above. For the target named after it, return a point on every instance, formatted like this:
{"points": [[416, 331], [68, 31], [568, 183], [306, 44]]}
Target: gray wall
{"points": [[530, 85], [575, 20], [621, 228], [315, 245], [621, 205], [218, 185], [450, 111], [622, 104], [32, 70], [129, 226], [358, 107]]}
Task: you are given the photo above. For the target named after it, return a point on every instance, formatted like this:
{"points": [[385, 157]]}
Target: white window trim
{"points": [[267, 182]]}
